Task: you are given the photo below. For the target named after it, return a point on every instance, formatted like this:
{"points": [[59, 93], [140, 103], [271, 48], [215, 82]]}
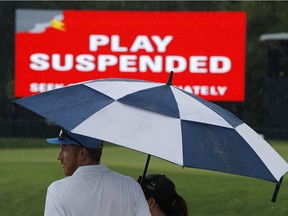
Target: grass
{"points": [[29, 166]]}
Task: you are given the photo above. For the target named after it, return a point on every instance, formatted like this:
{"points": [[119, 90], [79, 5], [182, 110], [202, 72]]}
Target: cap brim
{"points": [[65, 140], [76, 139]]}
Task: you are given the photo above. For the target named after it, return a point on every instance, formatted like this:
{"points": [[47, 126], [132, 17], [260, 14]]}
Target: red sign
{"points": [[206, 50]]}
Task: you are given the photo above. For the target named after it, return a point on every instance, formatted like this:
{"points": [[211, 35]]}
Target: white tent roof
{"points": [[274, 36]]}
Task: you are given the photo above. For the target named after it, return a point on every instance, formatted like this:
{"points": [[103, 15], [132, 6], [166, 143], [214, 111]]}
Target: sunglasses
{"points": [[63, 133]]}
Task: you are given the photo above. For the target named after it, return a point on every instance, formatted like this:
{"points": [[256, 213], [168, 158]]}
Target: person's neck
{"points": [[89, 162], [157, 212]]}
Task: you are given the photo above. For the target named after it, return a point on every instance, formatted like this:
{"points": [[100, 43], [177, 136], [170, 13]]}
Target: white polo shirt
{"points": [[95, 190]]}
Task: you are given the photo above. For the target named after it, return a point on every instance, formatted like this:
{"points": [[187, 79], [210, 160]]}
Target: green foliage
{"points": [[22, 143], [26, 172], [262, 18]]}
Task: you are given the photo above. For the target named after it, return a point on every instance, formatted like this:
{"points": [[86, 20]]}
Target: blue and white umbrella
{"points": [[161, 120]]}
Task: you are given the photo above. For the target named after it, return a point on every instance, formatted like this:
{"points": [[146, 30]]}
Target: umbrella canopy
{"points": [[161, 120]]}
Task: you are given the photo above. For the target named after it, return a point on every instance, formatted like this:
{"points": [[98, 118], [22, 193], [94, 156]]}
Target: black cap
{"points": [[161, 188]]}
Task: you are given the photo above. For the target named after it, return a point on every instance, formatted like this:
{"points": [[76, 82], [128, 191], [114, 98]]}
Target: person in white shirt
{"points": [[90, 188]]}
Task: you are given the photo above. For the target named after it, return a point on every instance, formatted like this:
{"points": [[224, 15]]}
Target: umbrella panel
{"points": [[68, 106], [221, 149]]}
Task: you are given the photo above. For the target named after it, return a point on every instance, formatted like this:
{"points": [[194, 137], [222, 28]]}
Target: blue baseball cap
{"points": [[67, 137]]}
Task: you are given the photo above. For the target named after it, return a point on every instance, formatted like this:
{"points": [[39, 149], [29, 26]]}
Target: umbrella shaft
{"points": [[146, 166]]}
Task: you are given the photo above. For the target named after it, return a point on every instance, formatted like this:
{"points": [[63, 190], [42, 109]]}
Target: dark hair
{"points": [[95, 154], [163, 190]]}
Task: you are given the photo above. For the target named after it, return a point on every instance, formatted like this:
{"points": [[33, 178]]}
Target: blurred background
{"points": [[266, 96]]}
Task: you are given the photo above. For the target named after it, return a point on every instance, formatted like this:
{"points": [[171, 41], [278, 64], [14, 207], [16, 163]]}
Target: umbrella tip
{"points": [[277, 188], [170, 78]]}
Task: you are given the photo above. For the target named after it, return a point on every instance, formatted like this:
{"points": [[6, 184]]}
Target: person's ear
{"points": [[83, 153], [151, 202]]}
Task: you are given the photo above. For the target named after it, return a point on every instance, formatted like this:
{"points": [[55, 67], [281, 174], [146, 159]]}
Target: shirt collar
{"points": [[91, 168]]}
